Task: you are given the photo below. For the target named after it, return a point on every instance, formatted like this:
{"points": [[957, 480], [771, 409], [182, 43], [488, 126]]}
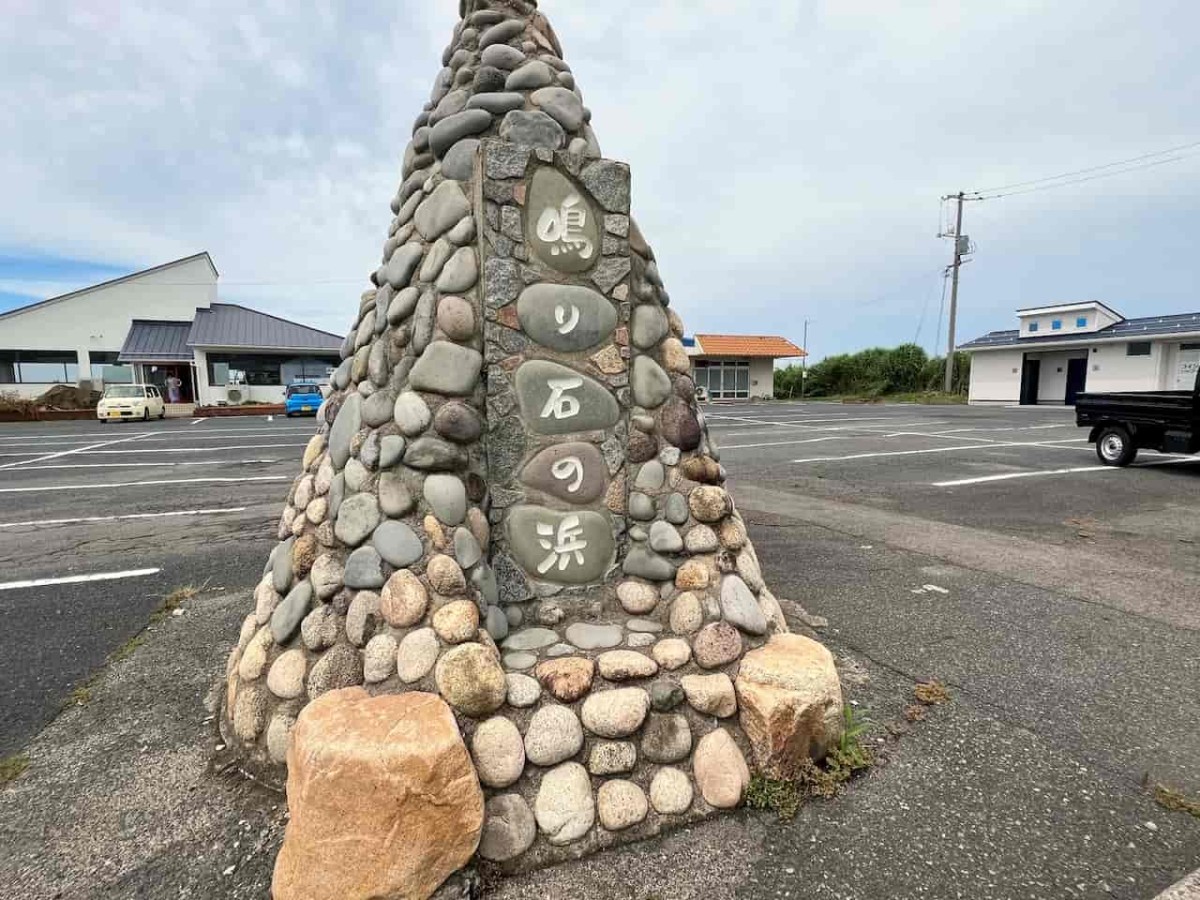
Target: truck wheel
{"points": [[1115, 447]]}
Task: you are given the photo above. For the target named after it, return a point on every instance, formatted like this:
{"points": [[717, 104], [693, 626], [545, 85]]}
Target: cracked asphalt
{"points": [[1059, 602]]}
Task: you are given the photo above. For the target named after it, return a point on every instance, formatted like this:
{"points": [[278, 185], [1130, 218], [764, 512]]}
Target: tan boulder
{"points": [[790, 701], [383, 798]]}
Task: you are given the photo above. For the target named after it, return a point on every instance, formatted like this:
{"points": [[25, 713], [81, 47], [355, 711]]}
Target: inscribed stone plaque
{"points": [[557, 400], [561, 225], [567, 548]]}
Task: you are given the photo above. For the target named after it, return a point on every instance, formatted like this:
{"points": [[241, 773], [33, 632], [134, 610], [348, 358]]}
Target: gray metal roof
{"points": [[1128, 329], [150, 341], [230, 325]]}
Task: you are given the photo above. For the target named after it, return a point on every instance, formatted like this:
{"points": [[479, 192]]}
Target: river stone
{"points": [[286, 618], [739, 606], [496, 623], [721, 770], [509, 828], [457, 422], [356, 518], [646, 564], [466, 549], [616, 713], [641, 507], [422, 323], [391, 447], [587, 636], [675, 509], [531, 129], [452, 103], [469, 677], [402, 305], [636, 597], [286, 678], [534, 74], [700, 539], [429, 453], [326, 576], [553, 735], [400, 267], [709, 503], [484, 579], [531, 639], [447, 497], [501, 33], [574, 472], [377, 409], [651, 385], [281, 565], [460, 273], [397, 543], [520, 661], [611, 757], [549, 193], [647, 326], [357, 474], [664, 538], [589, 532], [560, 104], [459, 161], [417, 653], [441, 210], [680, 425], [625, 665], [404, 599], [672, 653], [581, 404], [523, 690], [498, 752], [717, 644], [563, 317], [667, 738], [447, 368], [650, 477], [564, 808], [622, 804], [450, 130], [712, 695], [502, 57], [364, 569], [670, 792], [456, 318], [497, 104], [345, 426]]}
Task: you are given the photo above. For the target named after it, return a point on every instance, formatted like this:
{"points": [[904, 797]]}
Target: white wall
{"points": [[996, 376], [1112, 369], [1096, 317], [762, 378], [99, 320], [1052, 381]]}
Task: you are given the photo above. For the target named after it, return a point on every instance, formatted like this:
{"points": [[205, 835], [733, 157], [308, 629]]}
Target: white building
{"points": [[737, 366], [1060, 351], [154, 325]]}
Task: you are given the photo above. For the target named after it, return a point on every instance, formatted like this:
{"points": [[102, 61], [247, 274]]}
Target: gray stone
{"points": [[341, 376], [459, 161], [432, 454], [647, 326], [288, 614], [610, 272], [496, 623], [564, 808], [391, 447], [534, 74], [675, 508], [531, 639], [452, 103], [435, 259], [641, 507], [650, 477], [489, 80], [531, 129], [574, 472], [665, 695], [520, 661], [557, 400], [651, 385], [447, 497], [587, 636], [497, 104], [337, 491], [458, 422], [507, 161], [362, 617], [447, 368], [281, 565], [446, 133], [646, 564], [402, 305], [467, 551], [566, 317], [549, 193], [502, 281], [608, 182], [356, 475], [456, 318], [326, 576], [463, 232], [739, 607], [441, 210], [509, 828], [345, 426], [586, 534], [484, 580], [523, 690], [681, 427], [664, 538], [364, 569], [357, 518], [502, 57], [560, 104], [397, 543], [667, 738], [395, 499], [411, 413], [501, 33], [560, 650], [554, 734], [399, 269], [669, 456], [460, 273], [377, 409]]}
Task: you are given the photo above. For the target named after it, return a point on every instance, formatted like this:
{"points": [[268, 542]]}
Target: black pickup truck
{"points": [[1122, 424]]}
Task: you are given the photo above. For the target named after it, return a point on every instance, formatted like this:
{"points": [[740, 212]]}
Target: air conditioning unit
{"points": [[234, 395]]}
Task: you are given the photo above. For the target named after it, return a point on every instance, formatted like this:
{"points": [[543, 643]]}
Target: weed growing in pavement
{"points": [[931, 692], [824, 780], [12, 766], [1175, 801], [81, 694], [170, 603]]}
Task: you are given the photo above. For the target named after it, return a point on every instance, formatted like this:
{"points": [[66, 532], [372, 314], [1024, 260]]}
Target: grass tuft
{"points": [[12, 766], [1175, 801]]}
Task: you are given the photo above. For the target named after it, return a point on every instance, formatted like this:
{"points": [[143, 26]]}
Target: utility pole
{"points": [[804, 360], [958, 248]]}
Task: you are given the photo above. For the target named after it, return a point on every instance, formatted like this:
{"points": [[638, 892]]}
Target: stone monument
{"points": [[512, 504]]}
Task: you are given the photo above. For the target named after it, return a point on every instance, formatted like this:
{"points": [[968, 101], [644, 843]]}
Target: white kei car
{"points": [[130, 401]]}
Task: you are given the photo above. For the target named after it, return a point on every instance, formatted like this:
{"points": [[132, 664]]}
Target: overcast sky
{"points": [[788, 157]]}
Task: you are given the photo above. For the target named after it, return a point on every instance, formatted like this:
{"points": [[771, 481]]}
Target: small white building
{"points": [[156, 326], [1057, 352], [738, 366]]}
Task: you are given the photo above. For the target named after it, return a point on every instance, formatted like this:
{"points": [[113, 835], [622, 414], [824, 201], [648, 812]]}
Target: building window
{"points": [[1056, 325], [723, 379], [1137, 348], [308, 368], [39, 367], [1033, 326], [1081, 322], [254, 369], [107, 368]]}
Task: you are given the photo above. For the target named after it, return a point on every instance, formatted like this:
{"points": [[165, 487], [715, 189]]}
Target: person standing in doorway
{"points": [[173, 389]]}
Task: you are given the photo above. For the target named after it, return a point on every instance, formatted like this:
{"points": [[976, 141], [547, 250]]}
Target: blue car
{"points": [[302, 398]]}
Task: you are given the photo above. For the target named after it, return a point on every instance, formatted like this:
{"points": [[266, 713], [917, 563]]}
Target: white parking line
{"points": [[157, 465], [832, 437], [78, 579], [792, 423], [1008, 476], [814, 459], [123, 484], [90, 452], [158, 515], [158, 438], [67, 452], [165, 433]]}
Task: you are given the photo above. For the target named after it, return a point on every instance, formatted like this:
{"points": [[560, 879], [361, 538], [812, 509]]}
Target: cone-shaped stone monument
{"points": [[512, 501]]}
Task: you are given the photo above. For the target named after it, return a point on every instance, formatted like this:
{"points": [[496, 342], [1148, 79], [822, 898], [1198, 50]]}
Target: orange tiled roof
{"points": [[747, 345]]}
